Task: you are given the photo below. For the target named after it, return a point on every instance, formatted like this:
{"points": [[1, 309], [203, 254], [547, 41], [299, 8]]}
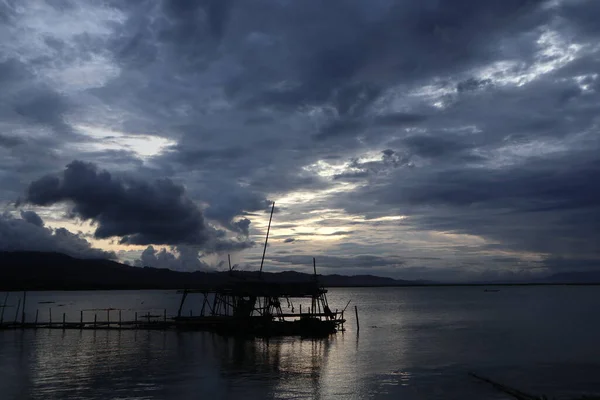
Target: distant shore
{"points": [[37, 271]]}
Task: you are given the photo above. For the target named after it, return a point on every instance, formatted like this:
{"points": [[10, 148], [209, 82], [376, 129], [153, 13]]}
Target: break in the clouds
{"points": [[454, 139]]}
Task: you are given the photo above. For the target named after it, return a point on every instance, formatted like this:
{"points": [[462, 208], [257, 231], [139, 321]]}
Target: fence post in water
{"points": [[357, 323], [300, 308], [36, 317], [81, 318], [108, 317], [119, 318], [64, 321], [136, 317], [50, 315], [23, 312], [3, 308], [95, 319], [17, 313]]}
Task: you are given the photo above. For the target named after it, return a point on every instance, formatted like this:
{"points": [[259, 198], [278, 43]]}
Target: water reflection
{"points": [[414, 344], [56, 364]]}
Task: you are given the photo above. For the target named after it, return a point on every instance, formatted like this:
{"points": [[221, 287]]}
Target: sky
{"points": [[416, 139]]}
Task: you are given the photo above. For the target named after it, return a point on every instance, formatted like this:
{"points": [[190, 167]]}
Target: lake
{"points": [[414, 343]]}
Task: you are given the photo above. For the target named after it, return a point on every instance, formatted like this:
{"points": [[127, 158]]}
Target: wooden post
{"points": [[108, 317], [183, 296], [23, 312], [357, 323], [300, 308], [18, 308], [119, 318], [64, 321], [50, 315], [36, 317], [95, 319], [136, 317], [265, 248], [3, 308], [81, 318]]}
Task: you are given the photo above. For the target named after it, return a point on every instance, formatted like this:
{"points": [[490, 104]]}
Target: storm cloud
{"points": [[29, 234], [463, 131], [136, 211]]}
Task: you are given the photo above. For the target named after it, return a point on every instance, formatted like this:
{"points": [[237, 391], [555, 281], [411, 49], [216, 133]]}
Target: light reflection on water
{"points": [[417, 343]]}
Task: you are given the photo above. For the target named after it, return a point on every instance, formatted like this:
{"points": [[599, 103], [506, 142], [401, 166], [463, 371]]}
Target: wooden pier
{"points": [[104, 318], [145, 321]]}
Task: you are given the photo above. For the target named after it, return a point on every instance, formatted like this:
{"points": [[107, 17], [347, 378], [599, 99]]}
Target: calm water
{"points": [[414, 343]]}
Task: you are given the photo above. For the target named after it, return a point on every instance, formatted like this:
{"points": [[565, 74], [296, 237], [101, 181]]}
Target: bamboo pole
{"points": [[23, 312], [17, 312], [3, 308], [262, 260]]}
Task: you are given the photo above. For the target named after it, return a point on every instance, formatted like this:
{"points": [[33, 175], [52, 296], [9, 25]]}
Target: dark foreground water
{"points": [[414, 343]]}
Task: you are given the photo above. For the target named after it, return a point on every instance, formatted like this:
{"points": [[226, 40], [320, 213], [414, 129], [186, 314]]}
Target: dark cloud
{"points": [[185, 259], [433, 146], [140, 212], [10, 141], [242, 226], [531, 207], [398, 119], [43, 107], [339, 128], [32, 217], [29, 234], [472, 117]]}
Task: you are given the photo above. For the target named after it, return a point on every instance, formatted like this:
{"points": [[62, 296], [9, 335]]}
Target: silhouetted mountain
{"points": [[54, 271], [574, 277]]}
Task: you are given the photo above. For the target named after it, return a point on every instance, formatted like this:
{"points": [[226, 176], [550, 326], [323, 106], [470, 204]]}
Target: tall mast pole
{"points": [[266, 240]]}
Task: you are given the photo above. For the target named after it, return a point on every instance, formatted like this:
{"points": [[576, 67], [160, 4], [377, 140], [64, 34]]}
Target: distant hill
{"points": [[581, 277], [54, 271]]}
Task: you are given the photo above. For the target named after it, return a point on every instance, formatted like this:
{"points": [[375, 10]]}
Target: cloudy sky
{"points": [[418, 139]]}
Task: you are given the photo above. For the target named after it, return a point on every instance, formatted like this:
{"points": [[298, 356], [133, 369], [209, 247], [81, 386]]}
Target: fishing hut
{"points": [[257, 308], [254, 307]]}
